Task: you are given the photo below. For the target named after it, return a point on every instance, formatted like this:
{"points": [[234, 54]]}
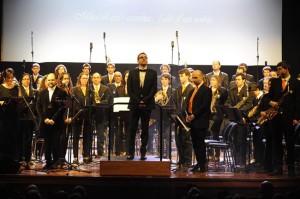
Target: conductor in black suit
{"points": [[142, 86], [50, 108], [198, 110]]}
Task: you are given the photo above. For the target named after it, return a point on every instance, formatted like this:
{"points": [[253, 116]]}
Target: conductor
{"points": [[142, 86]]}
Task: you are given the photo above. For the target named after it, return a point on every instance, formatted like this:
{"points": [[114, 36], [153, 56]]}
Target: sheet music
{"points": [[121, 107]]}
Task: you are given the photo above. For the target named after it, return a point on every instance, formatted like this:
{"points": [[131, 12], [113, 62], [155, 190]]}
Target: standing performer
{"points": [[284, 96], [142, 86], [50, 108], [8, 114], [198, 110]]}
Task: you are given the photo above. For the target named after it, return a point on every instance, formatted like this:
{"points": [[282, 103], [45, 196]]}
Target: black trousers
{"points": [[135, 116], [184, 145], [198, 136]]}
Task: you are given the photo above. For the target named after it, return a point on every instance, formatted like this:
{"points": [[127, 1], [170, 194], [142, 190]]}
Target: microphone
{"points": [[176, 33], [172, 44], [104, 35], [91, 46]]}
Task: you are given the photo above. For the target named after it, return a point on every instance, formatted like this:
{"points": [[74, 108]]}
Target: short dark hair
{"points": [[284, 65], [254, 87]]}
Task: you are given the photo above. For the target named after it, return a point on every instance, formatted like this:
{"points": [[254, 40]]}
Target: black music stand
{"points": [[96, 113], [158, 116]]}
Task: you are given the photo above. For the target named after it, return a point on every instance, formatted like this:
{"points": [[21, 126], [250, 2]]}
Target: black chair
{"points": [[226, 145]]}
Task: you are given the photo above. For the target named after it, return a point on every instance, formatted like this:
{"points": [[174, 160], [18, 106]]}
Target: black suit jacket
{"points": [[105, 80], [221, 96], [201, 107], [290, 104], [179, 98], [223, 77], [34, 83], [145, 94], [234, 98], [53, 110]]}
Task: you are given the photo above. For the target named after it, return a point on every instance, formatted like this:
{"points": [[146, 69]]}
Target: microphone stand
{"points": [[91, 47], [257, 58], [32, 46], [178, 47], [104, 35]]}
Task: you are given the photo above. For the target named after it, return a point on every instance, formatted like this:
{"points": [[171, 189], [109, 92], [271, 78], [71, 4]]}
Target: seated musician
{"points": [[238, 97]]}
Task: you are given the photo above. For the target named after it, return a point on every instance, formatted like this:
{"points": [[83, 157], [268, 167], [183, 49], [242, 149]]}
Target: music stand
{"points": [[158, 116]]}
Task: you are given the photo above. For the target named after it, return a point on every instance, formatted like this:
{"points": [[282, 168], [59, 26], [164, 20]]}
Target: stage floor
{"points": [[174, 185]]}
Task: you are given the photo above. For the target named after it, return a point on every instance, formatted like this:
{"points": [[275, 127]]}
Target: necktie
{"points": [[110, 78], [190, 108], [84, 91], [182, 89], [27, 91], [283, 84]]}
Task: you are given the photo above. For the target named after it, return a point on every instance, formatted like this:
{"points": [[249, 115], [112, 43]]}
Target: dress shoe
{"points": [[143, 157], [75, 161], [198, 169], [277, 172], [86, 160], [130, 157], [47, 167]]}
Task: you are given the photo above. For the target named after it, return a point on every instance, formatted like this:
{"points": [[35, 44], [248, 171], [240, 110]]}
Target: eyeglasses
{"points": [[143, 57]]}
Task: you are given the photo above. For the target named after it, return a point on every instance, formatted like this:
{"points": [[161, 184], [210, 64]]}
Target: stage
{"points": [[170, 184]]}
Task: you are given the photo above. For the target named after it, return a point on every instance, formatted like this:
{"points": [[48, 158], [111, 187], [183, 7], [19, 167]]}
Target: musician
{"points": [[266, 71], [182, 136], [50, 108], [28, 120], [166, 68], [118, 136], [101, 95], [81, 126], [35, 68], [216, 66], [284, 93], [117, 82], [87, 69], [109, 78], [163, 98], [59, 69], [248, 77], [232, 83], [198, 110], [257, 132], [219, 97], [142, 86], [8, 114], [121, 91], [238, 97]]}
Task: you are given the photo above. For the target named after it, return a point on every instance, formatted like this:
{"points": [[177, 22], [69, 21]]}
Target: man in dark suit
{"points": [[109, 78], [35, 68], [142, 86], [216, 66], [198, 110], [284, 93], [248, 77], [50, 108], [101, 95], [182, 136]]}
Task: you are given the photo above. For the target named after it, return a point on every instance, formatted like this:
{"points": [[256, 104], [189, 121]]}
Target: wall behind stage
{"points": [[75, 68]]}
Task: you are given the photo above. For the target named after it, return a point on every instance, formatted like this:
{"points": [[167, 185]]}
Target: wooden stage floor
{"points": [[173, 185]]}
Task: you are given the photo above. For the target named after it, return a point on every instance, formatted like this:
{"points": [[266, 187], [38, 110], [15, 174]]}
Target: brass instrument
{"points": [[252, 111], [161, 98], [241, 103], [215, 96], [273, 111]]}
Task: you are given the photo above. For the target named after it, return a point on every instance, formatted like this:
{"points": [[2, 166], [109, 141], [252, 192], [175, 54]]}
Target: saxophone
{"points": [[243, 100], [213, 101], [273, 111], [254, 109]]}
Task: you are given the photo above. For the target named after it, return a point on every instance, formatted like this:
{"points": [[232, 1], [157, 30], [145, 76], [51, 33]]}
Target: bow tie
{"points": [[142, 70]]}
